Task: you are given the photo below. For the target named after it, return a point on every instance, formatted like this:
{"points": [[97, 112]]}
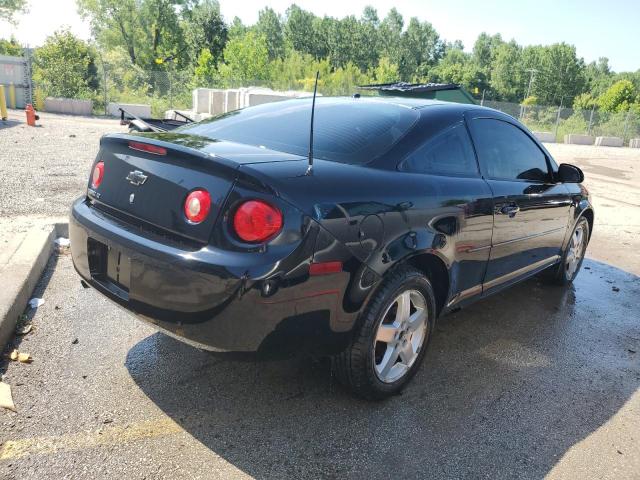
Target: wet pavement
{"points": [[535, 381]]}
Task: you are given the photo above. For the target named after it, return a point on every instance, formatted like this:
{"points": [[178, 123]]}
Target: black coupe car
{"points": [[220, 234]]}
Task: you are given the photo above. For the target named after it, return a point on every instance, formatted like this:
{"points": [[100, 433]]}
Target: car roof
{"points": [[425, 107]]}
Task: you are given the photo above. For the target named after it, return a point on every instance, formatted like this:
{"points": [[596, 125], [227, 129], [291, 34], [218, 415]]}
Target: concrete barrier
{"points": [[260, 98], [609, 142], [634, 143], [138, 109], [216, 101], [576, 139], [70, 106], [196, 117], [200, 98], [546, 137]]}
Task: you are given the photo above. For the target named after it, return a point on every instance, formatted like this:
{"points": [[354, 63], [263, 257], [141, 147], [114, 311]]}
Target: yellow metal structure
{"points": [[3, 104], [12, 96]]}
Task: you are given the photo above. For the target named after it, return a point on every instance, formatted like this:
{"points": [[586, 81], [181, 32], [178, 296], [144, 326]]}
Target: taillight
{"points": [[98, 175], [146, 147], [256, 221], [197, 206]]}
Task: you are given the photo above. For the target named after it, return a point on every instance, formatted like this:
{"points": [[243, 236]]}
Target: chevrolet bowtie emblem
{"points": [[136, 177]]}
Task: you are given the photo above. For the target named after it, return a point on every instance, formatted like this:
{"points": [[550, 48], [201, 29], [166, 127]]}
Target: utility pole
{"points": [[532, 73], [104, 81]]}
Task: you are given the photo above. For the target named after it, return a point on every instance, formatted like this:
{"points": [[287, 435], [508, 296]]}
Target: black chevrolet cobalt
{"points": [[220, 234]]}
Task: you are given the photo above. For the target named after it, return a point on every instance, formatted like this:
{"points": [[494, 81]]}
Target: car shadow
{"points": [[509, 384], [9, 123]]}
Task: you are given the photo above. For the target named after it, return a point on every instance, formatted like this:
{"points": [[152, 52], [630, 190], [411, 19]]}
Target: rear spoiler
{"points": [[139, 123], [152, 124]]}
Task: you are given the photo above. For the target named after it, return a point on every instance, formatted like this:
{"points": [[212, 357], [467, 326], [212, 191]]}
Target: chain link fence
{"points": [[561, 121], [169, 89]]}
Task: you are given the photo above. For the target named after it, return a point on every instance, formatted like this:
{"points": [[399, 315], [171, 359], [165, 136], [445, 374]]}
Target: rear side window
{"points": [[507, 153], [345, 130], [448, 153]]}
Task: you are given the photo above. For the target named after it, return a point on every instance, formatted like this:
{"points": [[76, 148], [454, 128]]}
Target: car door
{"points": [[462, 213], [530, 213]]}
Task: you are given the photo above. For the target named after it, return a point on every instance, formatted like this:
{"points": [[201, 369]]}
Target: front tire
{"points": [[566, 271], [395, 330]]}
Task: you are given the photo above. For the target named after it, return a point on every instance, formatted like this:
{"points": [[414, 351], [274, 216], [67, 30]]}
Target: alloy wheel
{"points": [[576, 251], [400, 336]]}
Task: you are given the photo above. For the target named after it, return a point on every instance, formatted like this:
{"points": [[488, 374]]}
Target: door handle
{"points": [[510, 210]]}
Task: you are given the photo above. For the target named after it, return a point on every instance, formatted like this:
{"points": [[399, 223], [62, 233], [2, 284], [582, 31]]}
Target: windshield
{"points": [[345, 130]]}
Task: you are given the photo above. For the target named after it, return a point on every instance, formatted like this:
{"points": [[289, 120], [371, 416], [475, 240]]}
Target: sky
{"points": [[597, 29]]}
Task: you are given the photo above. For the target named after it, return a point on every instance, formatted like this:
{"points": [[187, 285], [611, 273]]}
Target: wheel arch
{"points": [[435, 269], [588, 214]]}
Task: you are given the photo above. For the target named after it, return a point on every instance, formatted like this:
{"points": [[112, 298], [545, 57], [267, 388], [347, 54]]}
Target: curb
{"points": [[22, 273]]}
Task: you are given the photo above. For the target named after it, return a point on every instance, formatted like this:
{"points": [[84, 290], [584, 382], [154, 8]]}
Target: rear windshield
{"points": [[345, 130]]}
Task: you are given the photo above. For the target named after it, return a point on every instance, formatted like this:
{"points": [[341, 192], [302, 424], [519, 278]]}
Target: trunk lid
{"points": [[147, 188]]}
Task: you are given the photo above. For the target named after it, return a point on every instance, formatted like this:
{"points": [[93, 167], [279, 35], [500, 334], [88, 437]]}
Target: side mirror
{"points": [[569, 174]]}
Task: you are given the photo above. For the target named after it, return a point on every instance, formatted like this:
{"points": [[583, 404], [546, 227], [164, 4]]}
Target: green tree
{"points": [[584, 101], [560, 73], [420, 50], [598, 76], [205, 71], [10, 47], [160, 23], [270, 26], [344, 80], [299, 29], [633, 77], [204, 28], [237, 28], [485, 49], [8, 8], [385, 72], [370, 32], [348, 42], [619, 97], [483, 58], [507, 78], [390, 35], [64, 66], [458, 67], [245, 60], [147, 29], [114, 23]]}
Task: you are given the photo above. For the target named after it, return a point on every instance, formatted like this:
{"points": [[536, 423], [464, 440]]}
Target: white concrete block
{"points": [[577, 139], [231, 100], [260, 98], [138, 109], [216, 102], [70, 106], [634, 143], [200, 97], [196, 117], [609, 142], [546, 137]]}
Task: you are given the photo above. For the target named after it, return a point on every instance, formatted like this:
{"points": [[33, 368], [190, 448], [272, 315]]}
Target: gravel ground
{"points": [[43, 169]]}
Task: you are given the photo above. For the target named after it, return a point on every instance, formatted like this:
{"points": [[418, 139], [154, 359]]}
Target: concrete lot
{"points": [[537, 381]]}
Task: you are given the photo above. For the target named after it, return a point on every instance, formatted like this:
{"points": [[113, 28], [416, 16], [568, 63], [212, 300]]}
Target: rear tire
{"points": [[394, 332], [566, 271]]}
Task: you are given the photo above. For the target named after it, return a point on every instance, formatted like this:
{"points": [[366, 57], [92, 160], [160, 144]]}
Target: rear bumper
{"points": [[212, 298]]}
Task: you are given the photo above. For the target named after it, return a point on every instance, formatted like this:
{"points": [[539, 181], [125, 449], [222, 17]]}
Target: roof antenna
{"points": [[313, 109]]}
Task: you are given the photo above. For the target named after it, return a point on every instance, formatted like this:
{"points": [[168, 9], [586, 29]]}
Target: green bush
{"points": [[65, 67]]}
